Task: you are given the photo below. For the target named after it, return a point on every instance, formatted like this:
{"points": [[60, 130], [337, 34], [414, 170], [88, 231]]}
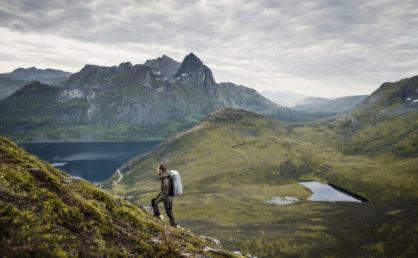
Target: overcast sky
{"points": [[321, 48]]}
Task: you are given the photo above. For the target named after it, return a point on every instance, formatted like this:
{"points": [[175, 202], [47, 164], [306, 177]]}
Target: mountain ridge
{"points": [[10, 82], [132, 102]]}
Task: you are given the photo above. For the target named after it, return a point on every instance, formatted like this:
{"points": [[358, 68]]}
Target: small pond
{"points": [[321, 193], [325, 192], [283, 200]]}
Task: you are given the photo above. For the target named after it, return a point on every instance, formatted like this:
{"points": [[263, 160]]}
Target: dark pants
{"points": [[168, 205]]}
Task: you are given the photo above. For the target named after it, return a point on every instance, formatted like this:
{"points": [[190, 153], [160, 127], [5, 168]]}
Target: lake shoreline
{"points": [[319, 188], [94, 161], [87, 141]]}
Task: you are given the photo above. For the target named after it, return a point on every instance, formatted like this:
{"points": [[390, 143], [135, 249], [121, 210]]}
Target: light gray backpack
{"points": [[177, 184]]}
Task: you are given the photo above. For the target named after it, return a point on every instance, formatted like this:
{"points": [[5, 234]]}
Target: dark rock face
{"points": [[190, 64], [126, 102], [164, 65]]}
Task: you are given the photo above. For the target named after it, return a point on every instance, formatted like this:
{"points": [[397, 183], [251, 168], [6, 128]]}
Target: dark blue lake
{"points": [[94, 161]]}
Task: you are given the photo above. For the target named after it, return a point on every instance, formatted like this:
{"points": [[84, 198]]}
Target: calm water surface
{"points": [[94, 161], [324, 192]]}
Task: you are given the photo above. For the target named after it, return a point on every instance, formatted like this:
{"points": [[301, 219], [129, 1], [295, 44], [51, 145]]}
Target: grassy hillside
{"points": [[234, 161], [44, 212]]}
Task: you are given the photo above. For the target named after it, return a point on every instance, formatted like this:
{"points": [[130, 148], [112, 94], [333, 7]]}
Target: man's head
{"points": [[161, 169]]}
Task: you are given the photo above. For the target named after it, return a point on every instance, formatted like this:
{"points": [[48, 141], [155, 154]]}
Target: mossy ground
{"points": [[234, 161], [46, 213]]}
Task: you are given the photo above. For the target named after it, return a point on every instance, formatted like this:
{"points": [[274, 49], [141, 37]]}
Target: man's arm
{"points": [[165, 187]]}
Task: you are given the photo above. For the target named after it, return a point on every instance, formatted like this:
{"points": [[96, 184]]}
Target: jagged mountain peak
{"points": [[125, 67], [191, 63], [125, 64], [164, 65]]}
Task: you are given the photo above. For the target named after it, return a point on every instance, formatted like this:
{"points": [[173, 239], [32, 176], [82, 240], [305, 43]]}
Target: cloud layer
{"points": [[322, 47]]}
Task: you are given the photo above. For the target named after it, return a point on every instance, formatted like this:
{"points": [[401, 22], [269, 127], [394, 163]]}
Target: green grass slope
{"points": [[234, 161], [44, 212]]}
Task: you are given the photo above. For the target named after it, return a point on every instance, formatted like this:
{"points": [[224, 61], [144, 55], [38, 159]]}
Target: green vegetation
{"points": [[34, 114], [234, 161], [46, 213], [104, 103]]}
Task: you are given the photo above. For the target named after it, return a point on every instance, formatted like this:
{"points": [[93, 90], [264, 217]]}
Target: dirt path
{"points": [[120, 176]]}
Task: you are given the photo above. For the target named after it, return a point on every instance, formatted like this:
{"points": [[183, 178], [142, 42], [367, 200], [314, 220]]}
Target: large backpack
{"points": [[177, 185]]}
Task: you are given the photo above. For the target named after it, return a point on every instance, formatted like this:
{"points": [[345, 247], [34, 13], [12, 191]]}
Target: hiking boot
{"points": [[159, 216]]}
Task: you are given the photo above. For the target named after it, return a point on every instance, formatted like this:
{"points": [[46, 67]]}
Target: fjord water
{"points": [[93, 161]]}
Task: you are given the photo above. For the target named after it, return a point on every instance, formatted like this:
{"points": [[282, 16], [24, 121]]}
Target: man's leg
{"points": [[168, 205], [155, 206]]}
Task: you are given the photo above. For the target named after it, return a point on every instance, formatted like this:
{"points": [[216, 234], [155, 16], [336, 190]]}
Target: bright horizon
{"points": [[317, 48]]}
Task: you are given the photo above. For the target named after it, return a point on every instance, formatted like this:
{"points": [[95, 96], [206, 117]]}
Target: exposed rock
{"points": [[212, 240], [207, 249], [191, 63], [184, 254], [71, 179], [127, 102], [164, 66], [155, 240], [149, 209]]}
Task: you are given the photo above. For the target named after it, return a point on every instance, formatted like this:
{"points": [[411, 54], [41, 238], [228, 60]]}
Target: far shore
{"points": [[85, 141]]}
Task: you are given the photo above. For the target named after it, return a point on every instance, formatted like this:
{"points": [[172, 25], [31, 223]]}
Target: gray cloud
{"points": [[333, 47]]}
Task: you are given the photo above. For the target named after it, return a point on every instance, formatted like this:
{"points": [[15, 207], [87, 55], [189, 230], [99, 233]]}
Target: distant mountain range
{"points": [[10, 82], [283, 98], [310, 104], [128, 102], [337, 105]]}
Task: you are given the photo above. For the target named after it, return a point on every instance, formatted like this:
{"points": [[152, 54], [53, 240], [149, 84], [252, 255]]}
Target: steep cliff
{"points": [[128, 102]]}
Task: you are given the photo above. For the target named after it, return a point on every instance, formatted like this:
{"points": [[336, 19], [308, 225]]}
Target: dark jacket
{"points": [[166, 187]]}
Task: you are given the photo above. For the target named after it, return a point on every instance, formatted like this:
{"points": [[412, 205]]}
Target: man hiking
{"points": [[166, 195]]}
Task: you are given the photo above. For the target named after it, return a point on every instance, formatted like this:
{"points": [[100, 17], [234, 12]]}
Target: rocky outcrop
{"points": [[164, 66], [127, 102]]}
